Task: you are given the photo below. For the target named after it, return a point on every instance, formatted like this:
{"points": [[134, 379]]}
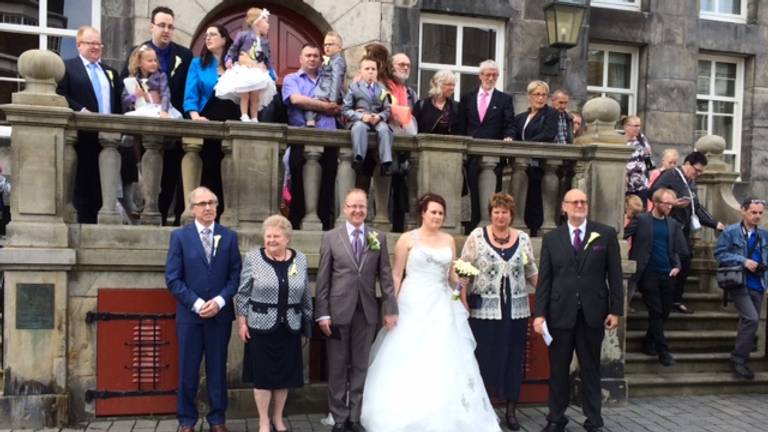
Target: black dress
{"points": [[273, 360], [501, 343]]}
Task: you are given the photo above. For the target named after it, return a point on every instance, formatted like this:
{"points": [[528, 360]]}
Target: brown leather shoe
{"points": [[218, 428]]}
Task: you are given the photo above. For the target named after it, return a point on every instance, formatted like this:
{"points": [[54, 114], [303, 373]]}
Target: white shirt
{"points": [[218, 299], [106, 87], [582, 233]]}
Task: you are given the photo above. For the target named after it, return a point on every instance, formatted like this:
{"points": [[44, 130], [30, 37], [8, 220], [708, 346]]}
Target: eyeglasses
{"points": [[93, 44], [539, 95], [403, 65], [633, 125], [757, 201], [356, 207], [211, 203], [698, 169], [577, 202], [212, 35], [165, 26]]}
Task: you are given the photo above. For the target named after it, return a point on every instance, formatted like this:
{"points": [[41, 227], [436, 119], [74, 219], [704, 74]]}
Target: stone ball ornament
{"points": [[41, 65], [602, 109], [712, 144]]}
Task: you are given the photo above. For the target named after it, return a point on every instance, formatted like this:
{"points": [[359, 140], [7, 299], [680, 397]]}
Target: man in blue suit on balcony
{"points": [[202, 271]]}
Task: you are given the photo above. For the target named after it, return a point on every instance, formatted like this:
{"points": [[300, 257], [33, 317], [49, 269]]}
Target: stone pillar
{"points": [[414, 216], [381, 186], [519, 190], [229, 185], [191, 170], [550, 190], [37, 257], [70, 171], [440, 162], [486, 185], [109, 174], [151, 175], [345, 180], [312, 173]]}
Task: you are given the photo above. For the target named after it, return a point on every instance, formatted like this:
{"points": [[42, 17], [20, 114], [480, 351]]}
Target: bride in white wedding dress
{"points": [[423, 376]]}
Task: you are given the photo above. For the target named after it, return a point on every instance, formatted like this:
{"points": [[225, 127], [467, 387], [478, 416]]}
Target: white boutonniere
{"points": [[176, 65], [464, 270], [592, 237], [110, 74], [293, 270], [373, 242], [216, 240]]}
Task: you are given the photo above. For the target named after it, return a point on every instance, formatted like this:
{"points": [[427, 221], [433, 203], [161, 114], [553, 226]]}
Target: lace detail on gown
{"points": [[423, 376]]}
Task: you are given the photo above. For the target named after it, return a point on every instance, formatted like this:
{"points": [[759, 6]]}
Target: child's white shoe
{"points": [[245, 118]]}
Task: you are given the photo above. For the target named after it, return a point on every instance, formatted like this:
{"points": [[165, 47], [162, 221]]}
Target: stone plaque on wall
{"points": [[34, 306]]}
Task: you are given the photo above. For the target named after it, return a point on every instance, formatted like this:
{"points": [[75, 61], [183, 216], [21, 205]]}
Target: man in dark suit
{"points": [[174, 61], [579, 295], [89, 86], [657, 245], [489, 114], [202, 271]]}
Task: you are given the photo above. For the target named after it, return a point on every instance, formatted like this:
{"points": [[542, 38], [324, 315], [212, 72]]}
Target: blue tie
{"points": [[93, 74]]}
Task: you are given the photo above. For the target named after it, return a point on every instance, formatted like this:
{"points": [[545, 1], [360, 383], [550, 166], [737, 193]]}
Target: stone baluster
{"points": [[229, 185], [312, 174], [345, 180], [381, 187], [109, 175], [70, 175], [519, 189], [486, 185], [414, 217], [151, 174], [191, 170], [550, 191]]}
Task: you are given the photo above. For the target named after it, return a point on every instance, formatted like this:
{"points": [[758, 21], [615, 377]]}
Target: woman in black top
{"points": [[437, 113]]}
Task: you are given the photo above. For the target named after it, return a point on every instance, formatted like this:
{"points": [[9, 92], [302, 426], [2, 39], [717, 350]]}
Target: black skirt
{"points": [[273, 360]]}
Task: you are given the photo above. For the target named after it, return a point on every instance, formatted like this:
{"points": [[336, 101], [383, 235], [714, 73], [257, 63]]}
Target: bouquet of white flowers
{"points": [[464, 270]]}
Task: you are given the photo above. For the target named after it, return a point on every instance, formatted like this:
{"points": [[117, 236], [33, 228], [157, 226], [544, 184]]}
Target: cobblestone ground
{"points": [[728, 413]]}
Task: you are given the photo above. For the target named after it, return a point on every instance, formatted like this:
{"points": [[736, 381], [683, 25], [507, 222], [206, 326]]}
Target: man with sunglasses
{"points": [[746, 243], [688, 211]]}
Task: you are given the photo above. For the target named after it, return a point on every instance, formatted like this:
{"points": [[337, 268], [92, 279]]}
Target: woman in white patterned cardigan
{"points": [[274, 311], [498, 301]]}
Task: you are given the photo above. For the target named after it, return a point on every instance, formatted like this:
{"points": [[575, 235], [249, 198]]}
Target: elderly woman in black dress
{"points": [[498, 301], [438, 112], [274, 310]]}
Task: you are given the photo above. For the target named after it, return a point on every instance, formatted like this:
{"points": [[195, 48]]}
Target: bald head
{"points": [[575, 206]]}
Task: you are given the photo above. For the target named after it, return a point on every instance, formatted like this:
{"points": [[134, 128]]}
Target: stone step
{"points": [[703, 320], [685, 384], [639, 363], [696, 301], [688, 341]]}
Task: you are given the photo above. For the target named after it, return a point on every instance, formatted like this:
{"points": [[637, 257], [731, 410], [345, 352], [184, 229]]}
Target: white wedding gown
{"points": [[423, 376]]}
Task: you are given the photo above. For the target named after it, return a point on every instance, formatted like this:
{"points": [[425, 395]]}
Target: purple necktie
{"points": [[577, 239], [372, 92], [357, 244]]}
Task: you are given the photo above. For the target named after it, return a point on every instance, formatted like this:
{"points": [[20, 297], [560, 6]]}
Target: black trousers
{"points": [[657, 290], [87, 193], [682, 277], [587, 342]]}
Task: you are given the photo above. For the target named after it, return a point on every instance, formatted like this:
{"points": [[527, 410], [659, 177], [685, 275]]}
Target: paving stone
{"points": [[122, 426]]}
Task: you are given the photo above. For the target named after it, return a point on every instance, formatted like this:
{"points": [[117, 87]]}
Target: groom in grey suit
{"points": [[352, 257]]}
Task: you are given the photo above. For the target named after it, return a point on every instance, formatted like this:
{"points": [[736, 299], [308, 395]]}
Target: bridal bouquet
{"points": [[464, 270]]}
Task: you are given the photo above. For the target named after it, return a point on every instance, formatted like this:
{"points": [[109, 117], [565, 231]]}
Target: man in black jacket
{"points": [[489, 114], [579, 295], [174, 61], [688, 211], [89, 86], [657, 245]]}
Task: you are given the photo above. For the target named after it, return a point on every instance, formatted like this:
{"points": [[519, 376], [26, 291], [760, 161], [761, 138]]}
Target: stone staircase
{"points": [[701, 344]]}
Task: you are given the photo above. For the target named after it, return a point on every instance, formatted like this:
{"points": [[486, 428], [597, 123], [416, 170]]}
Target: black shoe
{"points": [[666, 359], [593, 428], [357, 165], [387, 169], [355, 427], [553, 427], [509, 416], [339, 427], [742, 370], [679, 307], [650, 350]]}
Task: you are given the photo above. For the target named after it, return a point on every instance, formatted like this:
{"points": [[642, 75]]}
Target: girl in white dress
{"points": [[423, 375]]}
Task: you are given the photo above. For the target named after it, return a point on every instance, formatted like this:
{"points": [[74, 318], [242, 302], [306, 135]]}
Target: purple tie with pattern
{"points": [[577, 239]]}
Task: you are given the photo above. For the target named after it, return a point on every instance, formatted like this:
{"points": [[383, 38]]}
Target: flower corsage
{"points": [[373, 242], [592, 237], [216, 240], [293, 270], [464, 270]]}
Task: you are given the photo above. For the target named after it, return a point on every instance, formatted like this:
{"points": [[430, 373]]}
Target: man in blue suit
{"points": [[202, 271]]}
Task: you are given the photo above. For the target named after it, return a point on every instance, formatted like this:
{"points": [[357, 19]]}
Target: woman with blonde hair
{"points": [[438, 112]]}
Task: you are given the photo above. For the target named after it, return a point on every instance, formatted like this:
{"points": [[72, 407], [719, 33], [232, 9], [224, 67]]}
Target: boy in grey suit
{"points": [[366, 107], [330, 78]]}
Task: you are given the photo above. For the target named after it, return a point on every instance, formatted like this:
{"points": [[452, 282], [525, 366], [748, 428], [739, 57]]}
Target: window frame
{"points": [[460, 22], [737, 100], [635, 5], [740, 18], [634, 73]]}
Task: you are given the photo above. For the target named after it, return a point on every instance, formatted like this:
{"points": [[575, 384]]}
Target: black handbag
{"points": [[730, 277]]}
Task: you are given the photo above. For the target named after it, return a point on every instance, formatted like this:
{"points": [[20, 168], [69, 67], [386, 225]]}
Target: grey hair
{"points": [[487, 64], [533, 85], [560, 92], [438, 79], [198, 190], [277, 221]]}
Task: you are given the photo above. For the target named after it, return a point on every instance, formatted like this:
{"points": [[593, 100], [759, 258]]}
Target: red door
{"points": [[288, 32], [136, 352]]}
